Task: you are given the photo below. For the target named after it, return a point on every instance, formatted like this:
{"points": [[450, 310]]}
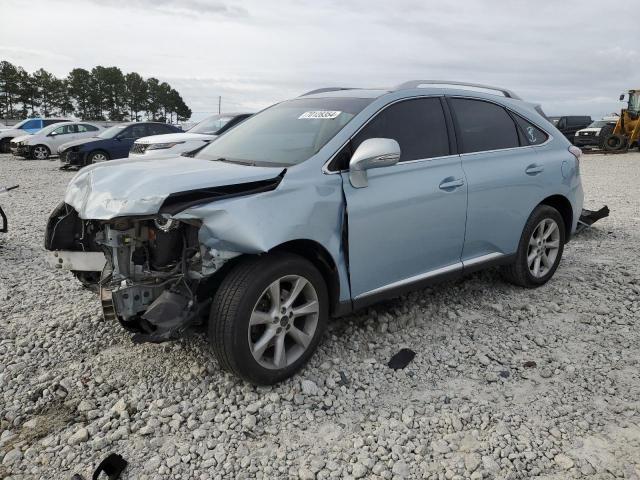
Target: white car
{"points": [[41, 144], [172, 144], [590, 136]]}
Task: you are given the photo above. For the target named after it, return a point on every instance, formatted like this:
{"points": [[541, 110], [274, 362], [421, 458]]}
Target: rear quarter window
{"points": [[531, 134]]}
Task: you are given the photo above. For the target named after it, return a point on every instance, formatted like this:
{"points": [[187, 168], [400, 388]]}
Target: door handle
{"points": [[534, 169], [451, 183]]}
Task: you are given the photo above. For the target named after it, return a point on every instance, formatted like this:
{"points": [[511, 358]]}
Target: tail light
{"points": [[576, 152]]}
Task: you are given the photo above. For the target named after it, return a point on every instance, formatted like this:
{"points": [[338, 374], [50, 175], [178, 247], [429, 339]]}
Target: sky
{"points": [[564, 55]]}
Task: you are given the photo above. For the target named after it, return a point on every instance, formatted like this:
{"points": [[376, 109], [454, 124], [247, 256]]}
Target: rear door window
{"points": [[65, 129], [484, 126], [531, 134], [83, 127], [418, 125]]}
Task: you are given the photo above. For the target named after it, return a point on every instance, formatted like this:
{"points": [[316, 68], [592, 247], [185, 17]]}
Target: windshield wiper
{"points": [[240, 162]]}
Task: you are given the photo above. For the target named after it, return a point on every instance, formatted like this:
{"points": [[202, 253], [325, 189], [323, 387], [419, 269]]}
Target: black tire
{"points": [[518, 272], [5, 145], [96, 153], [46, 153], [234, 302], [615, 142], [604, 133]]}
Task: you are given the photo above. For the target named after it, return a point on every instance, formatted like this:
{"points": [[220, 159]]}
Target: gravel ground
{"points": [[507, 383]]}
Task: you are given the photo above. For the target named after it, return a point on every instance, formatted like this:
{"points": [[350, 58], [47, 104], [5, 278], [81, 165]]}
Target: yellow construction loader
{"points": [[626, 132]]}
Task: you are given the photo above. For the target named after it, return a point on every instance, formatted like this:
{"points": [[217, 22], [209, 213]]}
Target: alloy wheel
{"points": [[40, 153], [283, 322], [544, 246], [99, 157]]}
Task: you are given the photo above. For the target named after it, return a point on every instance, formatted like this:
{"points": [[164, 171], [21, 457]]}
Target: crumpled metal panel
{"points": [[138, 187], [302, 207]]}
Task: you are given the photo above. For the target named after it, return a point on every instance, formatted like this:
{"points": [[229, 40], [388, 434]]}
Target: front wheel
{"points": [[268, 317], [40, 152], [540, 249], [96, 157]]}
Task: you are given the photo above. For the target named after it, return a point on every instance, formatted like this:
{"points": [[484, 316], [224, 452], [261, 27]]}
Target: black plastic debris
{"points": [[401, 359], [4, 226], [504, 373], [530, 364], [589, 217], [112, 466], [343, 379]]}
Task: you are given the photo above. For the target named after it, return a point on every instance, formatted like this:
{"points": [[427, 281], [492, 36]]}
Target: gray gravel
{"points": [[507, 383]]}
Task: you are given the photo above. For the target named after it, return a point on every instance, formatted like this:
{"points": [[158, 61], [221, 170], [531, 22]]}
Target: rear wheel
{"points": [[40, 152], [268, 317], [97, 156], [540, 249]]}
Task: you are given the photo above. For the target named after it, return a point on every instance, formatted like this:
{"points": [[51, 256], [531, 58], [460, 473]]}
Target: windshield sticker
{"points": [[531, 133], [320, 114]]}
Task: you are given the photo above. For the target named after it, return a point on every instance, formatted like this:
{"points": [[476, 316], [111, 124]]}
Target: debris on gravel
{"points": [[507, 383]]}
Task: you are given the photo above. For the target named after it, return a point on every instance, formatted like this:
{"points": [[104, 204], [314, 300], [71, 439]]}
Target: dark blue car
{"points": [[110, 144]]}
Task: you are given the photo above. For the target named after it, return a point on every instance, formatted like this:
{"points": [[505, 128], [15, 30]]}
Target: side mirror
{"points": [[621, 96], [53, 134], [372, 153]]}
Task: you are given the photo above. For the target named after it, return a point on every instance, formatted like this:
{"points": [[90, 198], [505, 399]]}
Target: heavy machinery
{"points": [[626, 132]]}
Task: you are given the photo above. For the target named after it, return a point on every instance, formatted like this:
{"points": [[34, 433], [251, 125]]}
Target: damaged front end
{"points": [[156, 275]]}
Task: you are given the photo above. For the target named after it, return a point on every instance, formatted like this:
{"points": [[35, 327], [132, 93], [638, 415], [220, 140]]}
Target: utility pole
{"points": [[219, 103]]}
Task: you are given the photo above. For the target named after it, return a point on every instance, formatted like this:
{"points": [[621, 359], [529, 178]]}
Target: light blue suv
{"points": [[316, 207]]}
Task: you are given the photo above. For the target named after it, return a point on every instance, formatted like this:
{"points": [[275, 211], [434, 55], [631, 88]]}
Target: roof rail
{"points": [[327, 89], [417, 83]]}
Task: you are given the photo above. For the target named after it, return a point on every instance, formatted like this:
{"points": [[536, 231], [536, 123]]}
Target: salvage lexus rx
{"points": [[318, 206]]}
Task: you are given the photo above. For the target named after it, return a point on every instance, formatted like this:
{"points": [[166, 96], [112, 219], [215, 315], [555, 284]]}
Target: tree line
{"points": [[103, 93]]}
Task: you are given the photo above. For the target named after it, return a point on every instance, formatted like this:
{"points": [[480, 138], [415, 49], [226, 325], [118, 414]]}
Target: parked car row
{"points": [[81, 143], [40, 145], [25, 127], [112, 143]]}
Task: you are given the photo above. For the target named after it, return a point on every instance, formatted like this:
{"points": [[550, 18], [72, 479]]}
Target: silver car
{"points": [[41, 145], [316, 207]]}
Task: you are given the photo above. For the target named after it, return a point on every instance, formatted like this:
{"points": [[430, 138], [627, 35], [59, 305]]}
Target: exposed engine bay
{"points": [[156, 275]]}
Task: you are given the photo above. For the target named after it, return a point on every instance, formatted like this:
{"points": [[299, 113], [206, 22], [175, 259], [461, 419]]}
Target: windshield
{"points": [[599, 124], [112, 131], [287, 133], [211, 125], [634, 102]]}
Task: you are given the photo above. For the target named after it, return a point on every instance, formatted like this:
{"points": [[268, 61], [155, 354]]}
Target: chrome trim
{"points": [[551, 137], [415, 278], [411, 84], [482, 259], [326, 171]]}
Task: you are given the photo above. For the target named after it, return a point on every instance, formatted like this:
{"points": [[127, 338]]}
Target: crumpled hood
{"points": [[82, 141], [174, 137], [139, 187], [21, 138]]}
